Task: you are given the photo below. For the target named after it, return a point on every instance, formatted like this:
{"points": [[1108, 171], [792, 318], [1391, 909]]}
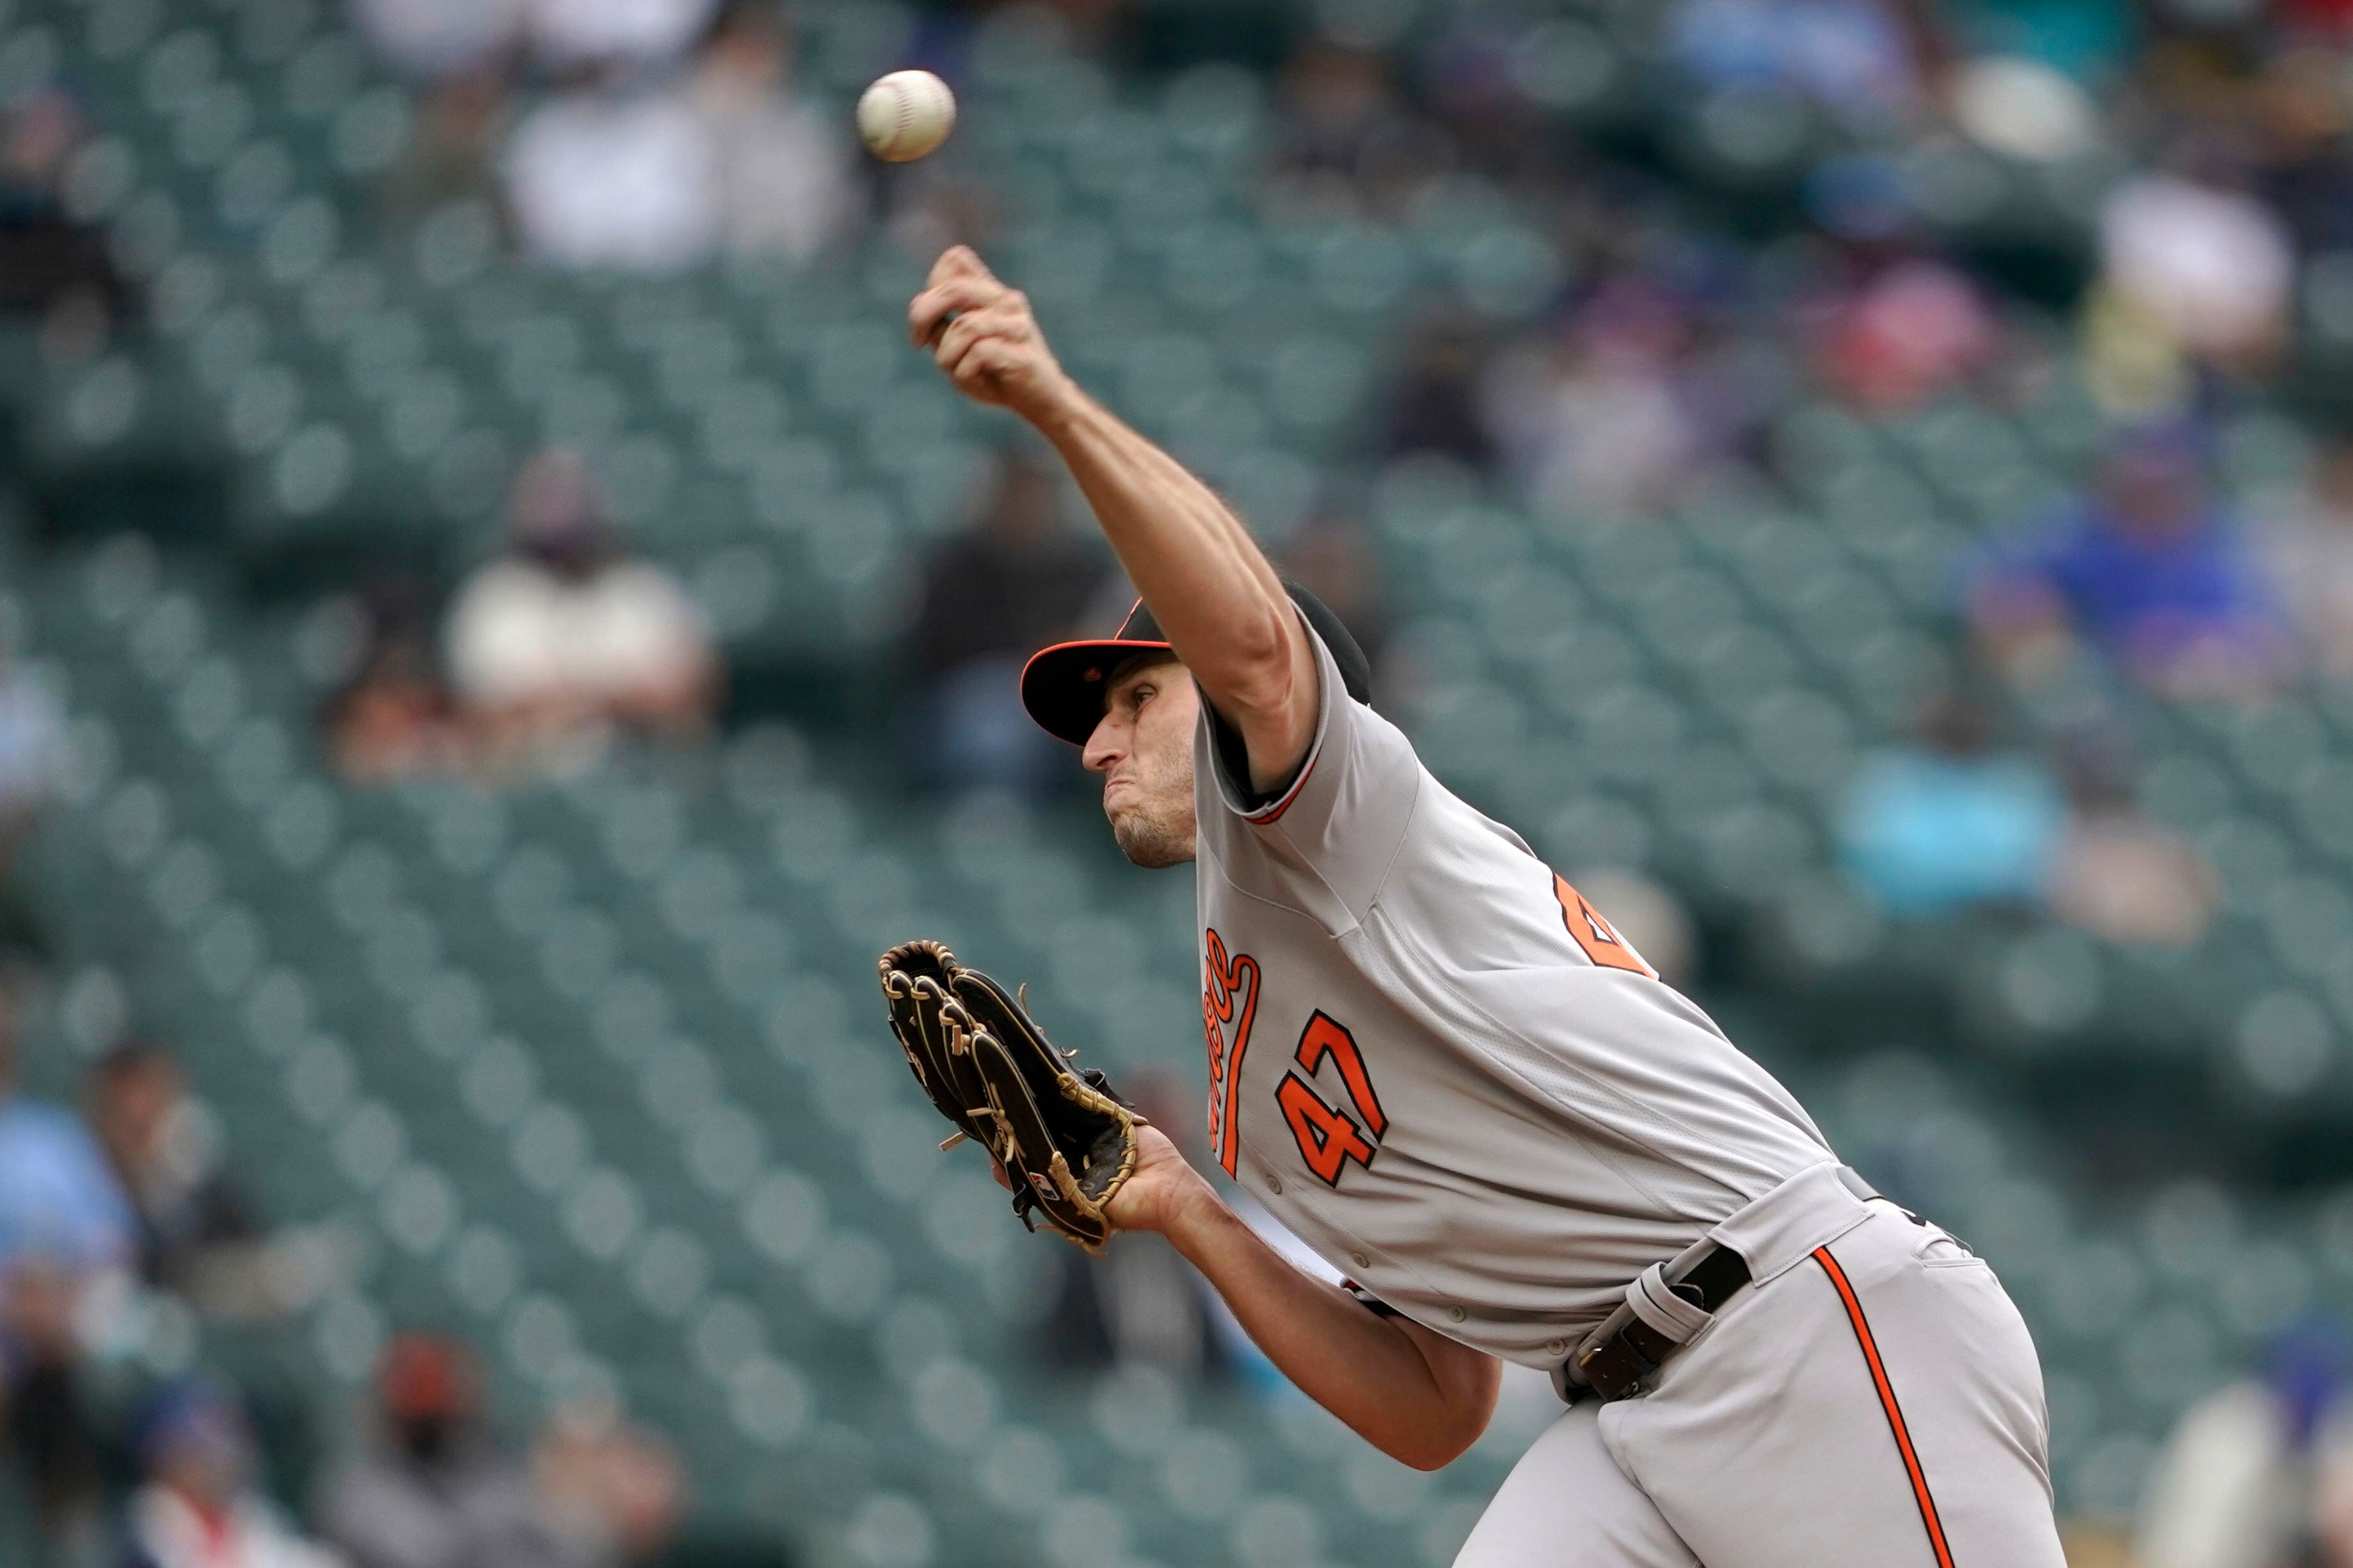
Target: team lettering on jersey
{"points": [[1328, 1137], [1230, 989]]}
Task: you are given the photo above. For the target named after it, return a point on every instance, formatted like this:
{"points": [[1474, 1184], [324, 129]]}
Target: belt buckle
{"points": [[1614, 1368]]}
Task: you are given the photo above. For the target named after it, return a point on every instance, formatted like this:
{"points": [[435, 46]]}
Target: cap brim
{"points": [[1062, 685]]}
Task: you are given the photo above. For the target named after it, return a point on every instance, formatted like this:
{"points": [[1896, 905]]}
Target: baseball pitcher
{"points": [[1447, 1073]]}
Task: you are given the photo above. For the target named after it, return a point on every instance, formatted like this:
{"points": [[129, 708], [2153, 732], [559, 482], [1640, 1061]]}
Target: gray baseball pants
{"points": [[1873, 1399]]}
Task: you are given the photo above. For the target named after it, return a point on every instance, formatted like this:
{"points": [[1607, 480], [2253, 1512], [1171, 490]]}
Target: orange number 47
{"points": [[1328, 1137]]}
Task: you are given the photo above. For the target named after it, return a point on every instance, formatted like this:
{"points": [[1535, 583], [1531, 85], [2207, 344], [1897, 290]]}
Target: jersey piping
{"points": [[1268, 815]]}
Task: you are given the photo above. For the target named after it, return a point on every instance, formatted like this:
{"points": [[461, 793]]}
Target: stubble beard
{"points": [[1153, 840]]}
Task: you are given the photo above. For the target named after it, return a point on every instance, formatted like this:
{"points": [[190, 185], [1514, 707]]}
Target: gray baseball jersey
{"points": [[1447, 1075], [1440, 1067]]}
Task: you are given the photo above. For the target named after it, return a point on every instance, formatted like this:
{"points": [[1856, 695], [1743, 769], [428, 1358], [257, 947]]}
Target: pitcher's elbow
{"points": [[1435, 1446], [1265, 639], [1257, 671], [1429, 1457]]}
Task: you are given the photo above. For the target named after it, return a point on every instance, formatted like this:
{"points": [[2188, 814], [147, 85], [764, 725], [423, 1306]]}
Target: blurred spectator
{"points": [[49, 263], [1014, 581], [433, 1489], [32, 743], [1434, 405], [2201, 261], [612, 1492], [1138, 1303], [65, 1236], [1346, 142], [197, 1234], [2025, 109], [198, 1507], [1852, 58], [58, 1199], [2119, 875], [2149, 570], [2303, 113], [1950, 822], [1596, 421], [1472, 78], [1907, 333], [2255, 1474], [52, 1435], [785, 177], [442, 38], [395, 720], [606, 174], [564, 640], [2307, 539], [396, 716], [632, 34], [452, 154]]}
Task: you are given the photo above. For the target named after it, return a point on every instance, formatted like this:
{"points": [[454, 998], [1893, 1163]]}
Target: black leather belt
{"points": [[1616, 1367]]}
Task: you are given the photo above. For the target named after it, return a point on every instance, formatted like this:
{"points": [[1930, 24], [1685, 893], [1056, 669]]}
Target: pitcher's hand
{"points": [[982, 335], [1156, 1194], [1161, 1190]]}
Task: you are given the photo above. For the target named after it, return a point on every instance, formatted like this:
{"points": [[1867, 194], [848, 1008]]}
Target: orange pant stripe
{"points": [[1887, 1402]]}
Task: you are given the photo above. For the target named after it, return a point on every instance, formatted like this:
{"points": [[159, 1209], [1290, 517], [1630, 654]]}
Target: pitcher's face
{"points": [[1143, 747]]}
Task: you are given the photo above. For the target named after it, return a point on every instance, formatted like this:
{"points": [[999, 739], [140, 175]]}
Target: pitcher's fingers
{"points": [[978, 370], [955, 337], [952, 298], [958, 261], [970, 327]]}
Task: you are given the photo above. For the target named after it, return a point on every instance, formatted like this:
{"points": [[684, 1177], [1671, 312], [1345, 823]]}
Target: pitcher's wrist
{"points": [[1193, 1212], [1060, 410]]}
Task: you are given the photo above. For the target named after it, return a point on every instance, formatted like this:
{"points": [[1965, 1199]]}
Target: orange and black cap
{"points": [[1062, 685]]}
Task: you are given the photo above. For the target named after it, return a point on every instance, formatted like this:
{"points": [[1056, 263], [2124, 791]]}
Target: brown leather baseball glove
{"points": [[1065, 1139]]}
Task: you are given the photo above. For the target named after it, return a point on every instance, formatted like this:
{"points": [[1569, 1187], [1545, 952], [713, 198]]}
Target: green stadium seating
{"points": [[589, 1070]]}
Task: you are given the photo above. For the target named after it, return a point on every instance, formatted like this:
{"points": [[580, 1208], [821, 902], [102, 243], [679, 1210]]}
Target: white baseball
{"points": [[905, 115]]}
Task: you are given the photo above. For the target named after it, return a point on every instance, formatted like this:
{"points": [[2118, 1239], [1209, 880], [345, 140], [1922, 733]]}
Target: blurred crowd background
{"points": [[497, 629]]}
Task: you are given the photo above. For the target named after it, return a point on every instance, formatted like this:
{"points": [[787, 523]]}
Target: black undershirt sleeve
{"points": [[1233, 757]]}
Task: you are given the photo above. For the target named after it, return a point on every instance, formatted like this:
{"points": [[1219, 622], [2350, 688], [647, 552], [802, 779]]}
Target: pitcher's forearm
{"points": [[1216, 597], [1371, 1372], [1213, 590]]}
